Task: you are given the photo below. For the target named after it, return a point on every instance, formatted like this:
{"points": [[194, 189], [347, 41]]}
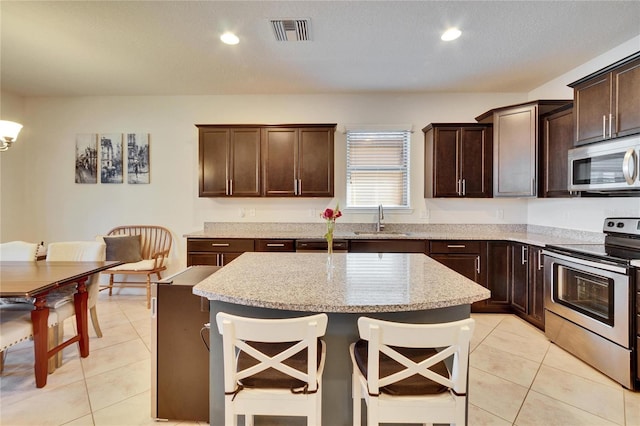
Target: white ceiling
{"points": [[75, 48]]}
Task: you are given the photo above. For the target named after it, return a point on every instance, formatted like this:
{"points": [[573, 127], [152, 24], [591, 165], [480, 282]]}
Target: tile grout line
{"points": [[530, 386]]}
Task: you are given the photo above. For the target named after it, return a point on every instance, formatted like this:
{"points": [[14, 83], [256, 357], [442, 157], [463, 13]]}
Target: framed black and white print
{"points": [[87, 158], [138, 166], [111, 166]]}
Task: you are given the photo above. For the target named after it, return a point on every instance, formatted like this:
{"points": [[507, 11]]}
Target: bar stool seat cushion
{"points": [[272, 378], [414, 385]]}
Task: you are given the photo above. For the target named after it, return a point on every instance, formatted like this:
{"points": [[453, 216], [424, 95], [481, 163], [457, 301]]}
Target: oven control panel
{"points": [[622, 225]]}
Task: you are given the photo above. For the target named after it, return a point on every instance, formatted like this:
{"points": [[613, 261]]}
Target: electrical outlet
{"points": [[252, 212]]}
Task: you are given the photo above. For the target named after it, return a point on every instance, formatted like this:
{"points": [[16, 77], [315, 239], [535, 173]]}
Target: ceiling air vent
{"points": [[291, 29]]}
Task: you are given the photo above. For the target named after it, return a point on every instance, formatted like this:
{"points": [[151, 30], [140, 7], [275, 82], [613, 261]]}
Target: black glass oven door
{"points": [[584, 292]]}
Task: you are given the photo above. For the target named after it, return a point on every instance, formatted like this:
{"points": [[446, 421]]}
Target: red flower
{"points": [[331, 214]]}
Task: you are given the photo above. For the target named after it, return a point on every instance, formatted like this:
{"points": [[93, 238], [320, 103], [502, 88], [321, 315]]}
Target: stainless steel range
{"points": [[589, 298]]}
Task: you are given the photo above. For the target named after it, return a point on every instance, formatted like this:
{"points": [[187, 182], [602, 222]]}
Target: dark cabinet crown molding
{"points": [[606, 69]]}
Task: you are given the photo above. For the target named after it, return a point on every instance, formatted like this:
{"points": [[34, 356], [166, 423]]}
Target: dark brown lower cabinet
{"points": [[516, 279], [519, 277], [536, 287], [216, 251], [637, 319], [180, 359], [466, 258], [527, 283], [499, 265], [387, 246], [275, 245]]}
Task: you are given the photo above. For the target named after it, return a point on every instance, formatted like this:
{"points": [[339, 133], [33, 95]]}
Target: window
{"points": [[378, 168]]}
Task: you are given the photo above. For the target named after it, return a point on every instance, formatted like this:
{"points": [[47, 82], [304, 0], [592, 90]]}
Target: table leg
{"points": [[39, 319], [80, 300]]}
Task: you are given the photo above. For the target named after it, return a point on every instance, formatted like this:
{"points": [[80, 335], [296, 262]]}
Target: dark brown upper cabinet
{"points": [[606, 102], [516, 140], [229, 161], [256, 160], [297, 161], [458, 160], [557, 140]]}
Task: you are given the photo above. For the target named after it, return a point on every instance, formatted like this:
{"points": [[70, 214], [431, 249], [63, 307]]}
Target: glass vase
{"points": [[329, 236]]}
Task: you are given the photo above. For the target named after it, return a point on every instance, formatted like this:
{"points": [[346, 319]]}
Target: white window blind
{"points": [[378, 168]]}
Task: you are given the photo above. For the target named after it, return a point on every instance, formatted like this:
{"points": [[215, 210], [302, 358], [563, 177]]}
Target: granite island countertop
{"points": [[350, 283]]}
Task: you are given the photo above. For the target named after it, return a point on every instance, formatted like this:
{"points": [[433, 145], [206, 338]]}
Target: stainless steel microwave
{"points": [[607, 167]]}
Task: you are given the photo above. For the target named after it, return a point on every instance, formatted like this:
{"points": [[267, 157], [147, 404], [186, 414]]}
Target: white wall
{"points": [[40, 200], [583, 214], [53, 207], [14, 214]]}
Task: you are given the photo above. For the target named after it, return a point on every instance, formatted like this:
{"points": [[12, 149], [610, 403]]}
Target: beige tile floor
{"points": [[516, 378]]}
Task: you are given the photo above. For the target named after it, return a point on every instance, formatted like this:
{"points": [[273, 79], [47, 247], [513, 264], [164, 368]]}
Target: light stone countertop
{"points": [[534, 235], [351, 283]]}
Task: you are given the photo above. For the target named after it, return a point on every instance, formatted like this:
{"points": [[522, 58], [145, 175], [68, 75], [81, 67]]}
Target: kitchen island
{"points": [[392, 286]]}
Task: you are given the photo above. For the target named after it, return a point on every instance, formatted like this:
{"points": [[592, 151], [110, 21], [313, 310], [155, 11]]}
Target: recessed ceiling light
{"points": [[451, 34], [229, 38]]}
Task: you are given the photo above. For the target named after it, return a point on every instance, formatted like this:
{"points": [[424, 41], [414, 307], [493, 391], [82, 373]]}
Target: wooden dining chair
{"points": [[16, 326], [411, 373], [144, 249], [61, 301], [272, 367], [18, 250]]}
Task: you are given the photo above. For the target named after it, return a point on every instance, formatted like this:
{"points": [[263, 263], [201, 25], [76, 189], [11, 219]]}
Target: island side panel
{"points": [[342, 330]]}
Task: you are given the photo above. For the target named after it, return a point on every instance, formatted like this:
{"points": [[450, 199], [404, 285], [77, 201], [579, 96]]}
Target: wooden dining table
{"points": [[36, 280]]}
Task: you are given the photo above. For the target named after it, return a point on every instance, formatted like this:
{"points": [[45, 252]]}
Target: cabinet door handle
{"points": [[533, 186], [219, 244], [464, 187], [610, 125], [154, 307], [226, 187], [295, 187], [478, 265], [604, 127], [275, 245], [299, 186], [540, 265], [230, 186], [456, 246], [524, 257]]}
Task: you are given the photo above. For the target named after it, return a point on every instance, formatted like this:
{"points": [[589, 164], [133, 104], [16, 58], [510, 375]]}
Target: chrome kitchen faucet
{"points": [[379, 224]]}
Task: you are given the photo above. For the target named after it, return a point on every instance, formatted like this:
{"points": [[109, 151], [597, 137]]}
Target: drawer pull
{"points": [[219, 244], [456, 246], [275, 245]]}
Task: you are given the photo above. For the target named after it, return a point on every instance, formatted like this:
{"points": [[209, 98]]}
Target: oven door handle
{"points": [[594, 264]]}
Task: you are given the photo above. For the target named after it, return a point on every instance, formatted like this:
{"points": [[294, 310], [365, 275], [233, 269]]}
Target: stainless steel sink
{"points": [[381, 233]]}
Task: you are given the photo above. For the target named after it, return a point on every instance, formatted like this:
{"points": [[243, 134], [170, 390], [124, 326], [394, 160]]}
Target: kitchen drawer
{"points": [[454, 246], [202, 259], [275, 245], [387, 246], [219, 245]]}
